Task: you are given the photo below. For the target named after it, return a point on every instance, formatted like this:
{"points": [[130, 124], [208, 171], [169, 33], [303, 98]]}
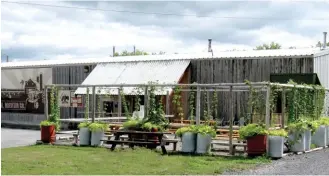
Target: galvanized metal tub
{"points": [[84, 136], [276, 146], [188, 142], [203, 143]]}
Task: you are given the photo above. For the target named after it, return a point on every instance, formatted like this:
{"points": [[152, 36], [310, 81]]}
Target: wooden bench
{"points": [[233, 144]]}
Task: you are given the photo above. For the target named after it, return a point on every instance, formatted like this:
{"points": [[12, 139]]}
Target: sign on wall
{"points": [[22, 89], [64, 98]]}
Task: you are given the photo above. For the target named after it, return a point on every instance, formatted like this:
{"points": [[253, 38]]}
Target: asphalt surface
{"points": [[313, 163], [19, 137]]}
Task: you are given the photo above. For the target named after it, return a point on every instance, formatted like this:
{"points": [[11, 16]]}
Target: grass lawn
{"points": [[48, 160]]}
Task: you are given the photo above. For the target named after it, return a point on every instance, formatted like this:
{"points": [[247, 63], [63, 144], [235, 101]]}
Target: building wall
{"points": [[321, 65], [238, 70]]}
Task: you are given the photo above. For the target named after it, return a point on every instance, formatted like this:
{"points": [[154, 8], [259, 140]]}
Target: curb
{"points": [[308, 151]]}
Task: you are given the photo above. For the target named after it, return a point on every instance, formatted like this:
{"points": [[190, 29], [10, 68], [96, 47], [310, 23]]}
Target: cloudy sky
{"points": [[48, 32]]}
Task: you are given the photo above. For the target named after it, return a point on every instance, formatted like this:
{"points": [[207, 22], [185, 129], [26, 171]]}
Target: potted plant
{"points": [[276, 142], [97, 132], [325, 121], [48, 131], [296, 136], [255, 134], [84, 133], [319, 138], [204, 135], [188, 137], [312, 127]]}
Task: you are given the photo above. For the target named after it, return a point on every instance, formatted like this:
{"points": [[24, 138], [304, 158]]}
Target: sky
{"points": [[46, 32]]}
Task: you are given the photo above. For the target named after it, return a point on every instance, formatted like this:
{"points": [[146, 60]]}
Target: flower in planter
{"points": [[97, 126], [182, 130], [252, 130], [280, 132]]}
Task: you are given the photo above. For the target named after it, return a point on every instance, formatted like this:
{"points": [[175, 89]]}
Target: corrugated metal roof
{"points": [[217, 55], [134, 73]]}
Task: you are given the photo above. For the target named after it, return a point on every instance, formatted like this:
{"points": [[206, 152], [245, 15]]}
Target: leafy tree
{"points": [[127, 53], [160, 53], [272, 45], [319, 44]]}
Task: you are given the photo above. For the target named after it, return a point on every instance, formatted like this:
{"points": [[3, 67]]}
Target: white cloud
{"points": [[48, 32]]}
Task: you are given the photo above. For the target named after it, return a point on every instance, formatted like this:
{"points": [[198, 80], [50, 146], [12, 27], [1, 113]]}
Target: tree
{"points": [[272, 45], [319, 44], [127, 53], [160, 53]]}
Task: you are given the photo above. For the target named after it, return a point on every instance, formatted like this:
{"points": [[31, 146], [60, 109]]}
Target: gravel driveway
{"points": [[313, 163]]}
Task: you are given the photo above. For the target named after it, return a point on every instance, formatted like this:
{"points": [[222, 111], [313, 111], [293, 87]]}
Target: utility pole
{"points": [[134, 50], [7, 58]]}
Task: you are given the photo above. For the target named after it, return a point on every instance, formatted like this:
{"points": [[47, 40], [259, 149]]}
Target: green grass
{"points": [[48, 160]]}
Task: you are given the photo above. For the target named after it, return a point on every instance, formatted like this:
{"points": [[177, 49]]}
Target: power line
{"points": [[163, 14]]}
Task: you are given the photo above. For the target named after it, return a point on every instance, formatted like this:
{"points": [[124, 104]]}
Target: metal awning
{"points": [[166, 72]]}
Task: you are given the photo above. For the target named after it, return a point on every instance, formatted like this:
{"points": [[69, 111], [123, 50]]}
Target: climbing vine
{"points": [[99, 103], [86, 114], [192, 104], [215, 104], [137, 98], [124, 104], [54, 107], [256, 104], [177, 101]]}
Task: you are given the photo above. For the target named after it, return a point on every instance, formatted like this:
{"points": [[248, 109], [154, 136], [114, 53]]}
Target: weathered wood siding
{"points": [[238, 70], [71, 75]]}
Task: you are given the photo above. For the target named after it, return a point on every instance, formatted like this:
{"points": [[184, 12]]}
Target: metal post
{"points": [[231, 120], [119, 102], [198, 108], [46, 102], [146, 102], [267, 116], [283, 107], [208, 106], [93, 104]]}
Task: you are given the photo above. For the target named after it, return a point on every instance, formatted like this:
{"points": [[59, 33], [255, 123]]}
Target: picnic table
{"points": [[146, 140]]}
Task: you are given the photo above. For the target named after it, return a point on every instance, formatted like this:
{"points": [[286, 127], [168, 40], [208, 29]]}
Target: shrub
{"points": [[206, 129], [324, 121], [183, 130], [47, 123], [84, 125], [98, 126], [280, 132], [252, 130], [132, 124]]}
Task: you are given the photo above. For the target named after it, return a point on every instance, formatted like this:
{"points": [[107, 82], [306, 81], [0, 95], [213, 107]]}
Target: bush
{"points": [[183, 130], [324, 121], [206, 129], [84, 125], [280, 132], [47, 123], [252, 130], [98, 126], [132, 124]]}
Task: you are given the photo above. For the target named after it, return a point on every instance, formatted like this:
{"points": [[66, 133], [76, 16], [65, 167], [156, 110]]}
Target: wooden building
{"points": [[222, 67]]}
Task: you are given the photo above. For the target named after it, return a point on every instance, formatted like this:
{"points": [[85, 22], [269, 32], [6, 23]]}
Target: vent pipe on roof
{"points": [[324, 40], [113, 51], [209, 47], [134, 50]]}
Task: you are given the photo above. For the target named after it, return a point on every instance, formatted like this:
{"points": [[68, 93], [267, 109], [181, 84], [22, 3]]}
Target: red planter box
{"points": [[48, 134], [256, 145]]}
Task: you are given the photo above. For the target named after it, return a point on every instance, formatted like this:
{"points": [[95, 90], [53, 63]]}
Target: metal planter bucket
{"points": [[188, 142], [84, 135], [298, 145], [327, 131], [319, 138], [203, 143], [96, 137], [276, 146], [308, 140]]}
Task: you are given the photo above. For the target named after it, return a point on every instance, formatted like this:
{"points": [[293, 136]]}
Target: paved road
{"points": [[19, 137], [313, 163]]}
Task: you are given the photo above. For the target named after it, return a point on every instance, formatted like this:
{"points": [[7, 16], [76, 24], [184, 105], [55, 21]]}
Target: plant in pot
{"points": [[97, 132], [255, 134], [312, 127], [84, 133], [204, 135], [325, 121], [188, 137], [297, 136], [319, 138], [50, 126], [276, 142]]}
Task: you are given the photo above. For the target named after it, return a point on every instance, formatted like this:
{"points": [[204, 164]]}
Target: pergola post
{"points": [[231, 120]]}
